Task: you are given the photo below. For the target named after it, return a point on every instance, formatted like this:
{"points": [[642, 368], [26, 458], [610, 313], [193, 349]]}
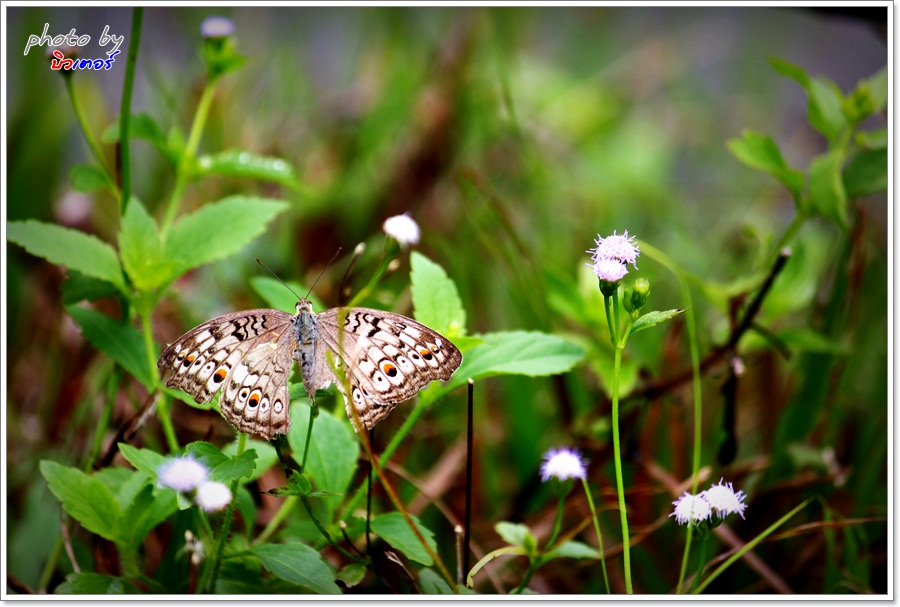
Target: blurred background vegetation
{"points": [[513, 136]]}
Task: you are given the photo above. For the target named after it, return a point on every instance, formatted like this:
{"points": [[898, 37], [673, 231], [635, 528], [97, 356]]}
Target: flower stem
{"points": [[701, 564], [617, 452], [186, 161], [590, 501], [93, 144], [125, 113]]}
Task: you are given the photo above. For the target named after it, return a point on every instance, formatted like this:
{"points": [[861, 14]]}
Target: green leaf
{"points": [[234, 468], [297, 484], [206, 453], [651, 319], [866, 173], [827, 195], [432, 583], [277, 296], [78, 288], [145, 460], [266, 456], [572, 550], [235, 163], [141, 250], [435, 298], [514, 534], [87, 178], [119, 341], [761, 152], [85, 499], [333, 451], [69, 248], [88, 582], [219, 229], [869, 96], [140, 126], [353, 574], [518, 353], [393, 528], [298, 564], [146, 512], [824, 108]]}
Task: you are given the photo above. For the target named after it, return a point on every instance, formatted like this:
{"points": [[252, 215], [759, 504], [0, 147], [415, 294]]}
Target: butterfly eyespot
{"points": [[358, 397], [389, 369], [435, 348], [426, 353], [219, 377], [414, 355], [198, 362], [179, 356], [263, 406], [188, 360], [254, 398], [379, 378], [277, 407], [243, 394]]}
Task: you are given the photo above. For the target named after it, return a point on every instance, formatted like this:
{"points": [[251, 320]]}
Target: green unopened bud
{"points": [[640, 293]]}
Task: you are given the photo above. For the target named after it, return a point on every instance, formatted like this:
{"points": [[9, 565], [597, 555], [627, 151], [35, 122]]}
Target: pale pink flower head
{"points": [[620, 247], [182, 474], [562, 464], [213, 496], [216, 27], [609, 270]]}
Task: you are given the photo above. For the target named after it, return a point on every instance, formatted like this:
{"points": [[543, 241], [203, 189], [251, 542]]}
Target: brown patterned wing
{"points": [[249, 353]]}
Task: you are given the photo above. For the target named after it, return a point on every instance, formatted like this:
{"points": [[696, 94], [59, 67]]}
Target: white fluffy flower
{"points": [[403, 229], [562, 464], [183, 474], [724, 500], [213, 496], [691, 509]]}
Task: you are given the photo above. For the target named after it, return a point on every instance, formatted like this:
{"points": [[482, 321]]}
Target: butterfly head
{"points": [[304, 306]]}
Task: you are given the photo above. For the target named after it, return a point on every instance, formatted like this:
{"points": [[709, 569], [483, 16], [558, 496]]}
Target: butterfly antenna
{"points": [[333, 257], [277, 278]]}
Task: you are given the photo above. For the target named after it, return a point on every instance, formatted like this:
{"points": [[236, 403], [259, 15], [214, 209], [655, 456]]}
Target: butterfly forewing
{"points": [[388, 358]]}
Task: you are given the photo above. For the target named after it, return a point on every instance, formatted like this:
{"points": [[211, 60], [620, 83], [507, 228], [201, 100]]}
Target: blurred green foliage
{"points": [[513, 136]]}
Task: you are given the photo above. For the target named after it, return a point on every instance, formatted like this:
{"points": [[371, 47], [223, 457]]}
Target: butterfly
{"points": [[387, 358]]}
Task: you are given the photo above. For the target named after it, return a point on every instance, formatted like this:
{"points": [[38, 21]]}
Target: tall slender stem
{"points": [[125, 112], [617, 452]]}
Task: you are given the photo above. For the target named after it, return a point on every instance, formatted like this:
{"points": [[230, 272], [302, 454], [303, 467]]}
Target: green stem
{"points": [[590, 501], [613, 333], [164, 413], [286, 506], [93, 144], [223, 539], [50, 565], [186, 161], [490, 557], [685, 556], [112, 388], [701, 564], [617, 452], [125, 112]]}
